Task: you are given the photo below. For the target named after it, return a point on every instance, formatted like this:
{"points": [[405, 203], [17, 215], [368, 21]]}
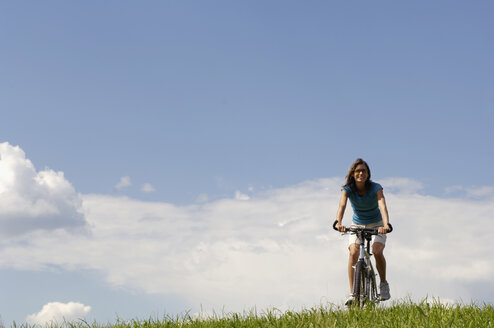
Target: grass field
{"points": [[399, 314]]}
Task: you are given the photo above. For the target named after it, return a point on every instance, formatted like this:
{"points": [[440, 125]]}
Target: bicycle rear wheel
{"points": [[359, 288]]}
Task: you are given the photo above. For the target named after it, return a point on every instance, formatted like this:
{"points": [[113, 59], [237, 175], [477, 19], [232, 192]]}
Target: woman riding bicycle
{"points": [[370, 211]]}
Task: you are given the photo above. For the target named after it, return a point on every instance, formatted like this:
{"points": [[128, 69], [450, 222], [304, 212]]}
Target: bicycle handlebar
{"points": [[371, 231]]}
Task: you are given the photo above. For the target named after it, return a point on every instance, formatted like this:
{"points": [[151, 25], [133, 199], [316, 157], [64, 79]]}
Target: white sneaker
{"points": [[349, 300], [384, 291]]}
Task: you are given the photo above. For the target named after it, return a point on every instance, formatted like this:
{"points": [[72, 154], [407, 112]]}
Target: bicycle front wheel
{"points": [[371, 287], [359, 292]]}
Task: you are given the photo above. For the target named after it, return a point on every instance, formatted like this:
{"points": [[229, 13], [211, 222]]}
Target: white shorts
{"points": [[352, 238]]}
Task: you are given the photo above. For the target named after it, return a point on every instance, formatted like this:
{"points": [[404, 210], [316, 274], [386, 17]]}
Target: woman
{"points": [[369, 208]]}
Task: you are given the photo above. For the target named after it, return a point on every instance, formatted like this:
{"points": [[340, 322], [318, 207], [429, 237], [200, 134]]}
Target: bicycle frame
{"points": [[365, 288]]}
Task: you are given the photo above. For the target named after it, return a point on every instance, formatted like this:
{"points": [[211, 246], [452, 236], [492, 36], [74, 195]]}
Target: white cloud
{"points": [[276, 249], [453, 189], [241, 254], [480, 192], [147, 188], [55, 312], [241, 196], [472, 192], [401, 185], [31, 200], [124, 182]]}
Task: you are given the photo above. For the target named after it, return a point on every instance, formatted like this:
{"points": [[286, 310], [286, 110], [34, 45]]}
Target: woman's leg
{"points": [[354, 253], [377, 249]]}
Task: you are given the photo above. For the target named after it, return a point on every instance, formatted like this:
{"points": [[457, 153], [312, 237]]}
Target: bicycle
{"points": [[364, 277]]}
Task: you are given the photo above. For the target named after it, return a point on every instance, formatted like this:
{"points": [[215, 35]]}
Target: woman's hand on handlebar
{"points": [[385, 229], [338, 226]]}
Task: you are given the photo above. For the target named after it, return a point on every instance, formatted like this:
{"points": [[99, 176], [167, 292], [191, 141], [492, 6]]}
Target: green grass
{"points": [[400, 314]]}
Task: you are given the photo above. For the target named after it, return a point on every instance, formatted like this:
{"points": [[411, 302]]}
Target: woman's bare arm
{"points": [[341, 211], [381, 201]]}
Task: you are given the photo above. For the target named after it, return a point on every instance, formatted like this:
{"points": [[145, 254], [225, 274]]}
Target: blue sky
{"points": [[226, 100]]}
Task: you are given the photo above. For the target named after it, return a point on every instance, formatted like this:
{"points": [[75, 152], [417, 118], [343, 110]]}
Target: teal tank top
{"points": [[365, 208]]}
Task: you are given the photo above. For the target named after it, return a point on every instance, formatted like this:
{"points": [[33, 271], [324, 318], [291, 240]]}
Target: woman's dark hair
{"points": [[350, 180]]}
